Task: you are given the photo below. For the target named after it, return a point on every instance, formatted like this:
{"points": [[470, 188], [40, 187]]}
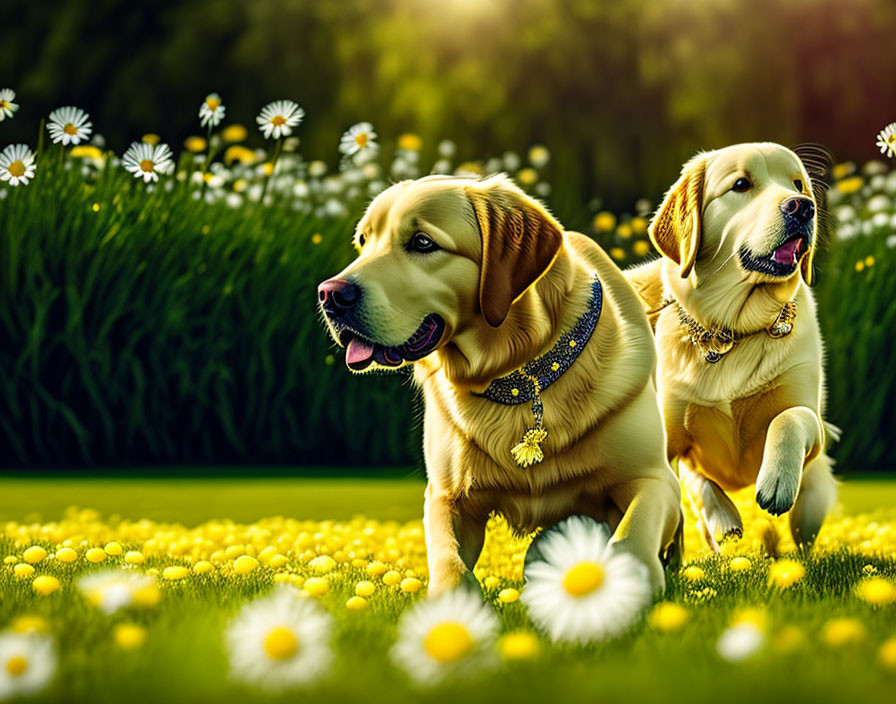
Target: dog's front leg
{"points": [[651, 516], [453, 542], [794, 436]]}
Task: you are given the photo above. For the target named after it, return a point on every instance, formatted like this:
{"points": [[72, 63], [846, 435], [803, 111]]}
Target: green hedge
{"points": [[143, 326]]}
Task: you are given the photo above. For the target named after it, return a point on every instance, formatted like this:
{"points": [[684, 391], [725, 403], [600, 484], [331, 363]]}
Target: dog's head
{"points": [[436, 256], [747, 212]]}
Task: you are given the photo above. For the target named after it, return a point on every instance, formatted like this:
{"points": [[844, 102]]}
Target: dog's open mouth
{"points": [[781, 261], [360, 352]]}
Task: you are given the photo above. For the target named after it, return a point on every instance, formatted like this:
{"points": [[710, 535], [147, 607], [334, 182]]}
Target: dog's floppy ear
{"points": [[520, 240], [677, 227], [817, 160]]}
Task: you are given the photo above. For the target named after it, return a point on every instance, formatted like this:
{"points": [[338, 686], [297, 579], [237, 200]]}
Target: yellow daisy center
{"points": [[891, 140], [70, 129], [582, 579], [147, 165], [213, 104], [361, 139], [16, 666], [3, 104], [281, 643], [448, 642], [278, 120], [17, 169]]}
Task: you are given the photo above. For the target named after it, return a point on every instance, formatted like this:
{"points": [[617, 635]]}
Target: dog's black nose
{"points": [[798, 207], [338, 296]]}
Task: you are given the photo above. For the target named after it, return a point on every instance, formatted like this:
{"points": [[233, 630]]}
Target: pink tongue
{"points": [[358, 351], [786, 253]]}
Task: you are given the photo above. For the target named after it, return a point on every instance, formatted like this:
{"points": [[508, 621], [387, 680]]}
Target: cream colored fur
{"points": [[605, 452], [755, 417]]}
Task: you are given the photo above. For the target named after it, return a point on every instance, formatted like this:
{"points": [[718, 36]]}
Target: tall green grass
{"points": [[152, 327], [147, 327]]}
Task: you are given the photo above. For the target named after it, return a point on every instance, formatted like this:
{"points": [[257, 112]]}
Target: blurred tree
{"points": [[621, 92]]}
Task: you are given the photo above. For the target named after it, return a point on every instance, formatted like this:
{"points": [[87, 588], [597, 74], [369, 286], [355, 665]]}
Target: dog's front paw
{"points": [[776, 489]]}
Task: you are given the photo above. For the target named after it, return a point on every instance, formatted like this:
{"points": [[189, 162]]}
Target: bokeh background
{"points": [[174, 348]]}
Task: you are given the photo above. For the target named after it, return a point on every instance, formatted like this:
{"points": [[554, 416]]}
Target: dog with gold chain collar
{"points": [[536, 363], [740, 373]]}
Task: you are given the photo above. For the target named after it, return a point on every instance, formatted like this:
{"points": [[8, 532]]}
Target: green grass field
{"points": [[192, 500], [184, 658]]}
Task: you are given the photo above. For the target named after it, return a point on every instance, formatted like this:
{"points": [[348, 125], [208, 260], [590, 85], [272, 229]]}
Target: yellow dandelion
{"points": [[175, 573], [527, 176], [195, 144], [519, 645], [839, 632], [316, 238], [86, 151], [356, 603], [410, 142], [624, 231], [23, 570], [785, 573], [29, 624], [693, 573], [668, 616], [244, 564], [45, 584], [618, 253], [849, 185], [508, 596], [887, 654], [95, 555], [151, 138], [34, 554], [876, 590], [365, 588], [234, 133], [641, 248], [739, 564], [860, 265], [604, 221], [316, 586], [411, 585], [869, 260], [134, 557], [129, 636]]}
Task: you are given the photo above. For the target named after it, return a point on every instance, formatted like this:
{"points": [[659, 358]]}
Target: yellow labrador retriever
{"points": [[535, 359], [740, 357]]}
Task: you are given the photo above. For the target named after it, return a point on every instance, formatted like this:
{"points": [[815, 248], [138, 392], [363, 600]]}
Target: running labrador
{"points": [[740, 373]]}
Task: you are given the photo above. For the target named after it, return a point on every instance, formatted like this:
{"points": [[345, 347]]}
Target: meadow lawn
{"points": [[200, 495], [184, 658]]}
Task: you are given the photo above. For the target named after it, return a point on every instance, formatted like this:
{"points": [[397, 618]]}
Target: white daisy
{"points": [[148, 160], [69, 125], [7, 107], [279, 641], [441, 636], [27, 663], [740, 642], [886, 140], [359, 142], [211, 112], [278, 118], [579, 589], [17, 165], [113, 589]]}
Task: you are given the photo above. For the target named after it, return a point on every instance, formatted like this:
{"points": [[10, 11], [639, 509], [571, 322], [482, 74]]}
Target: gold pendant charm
{"points": [[528, 451]]}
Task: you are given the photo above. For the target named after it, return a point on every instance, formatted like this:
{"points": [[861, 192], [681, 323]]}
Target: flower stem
{"points": [[274, 158]]}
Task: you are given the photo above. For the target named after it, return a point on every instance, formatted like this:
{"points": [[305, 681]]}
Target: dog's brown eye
{"points": [[798, 185], [422, 243], [742, 184]]}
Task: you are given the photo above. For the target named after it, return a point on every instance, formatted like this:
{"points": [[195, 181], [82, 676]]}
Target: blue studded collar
{"points": [[524, 384]]}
